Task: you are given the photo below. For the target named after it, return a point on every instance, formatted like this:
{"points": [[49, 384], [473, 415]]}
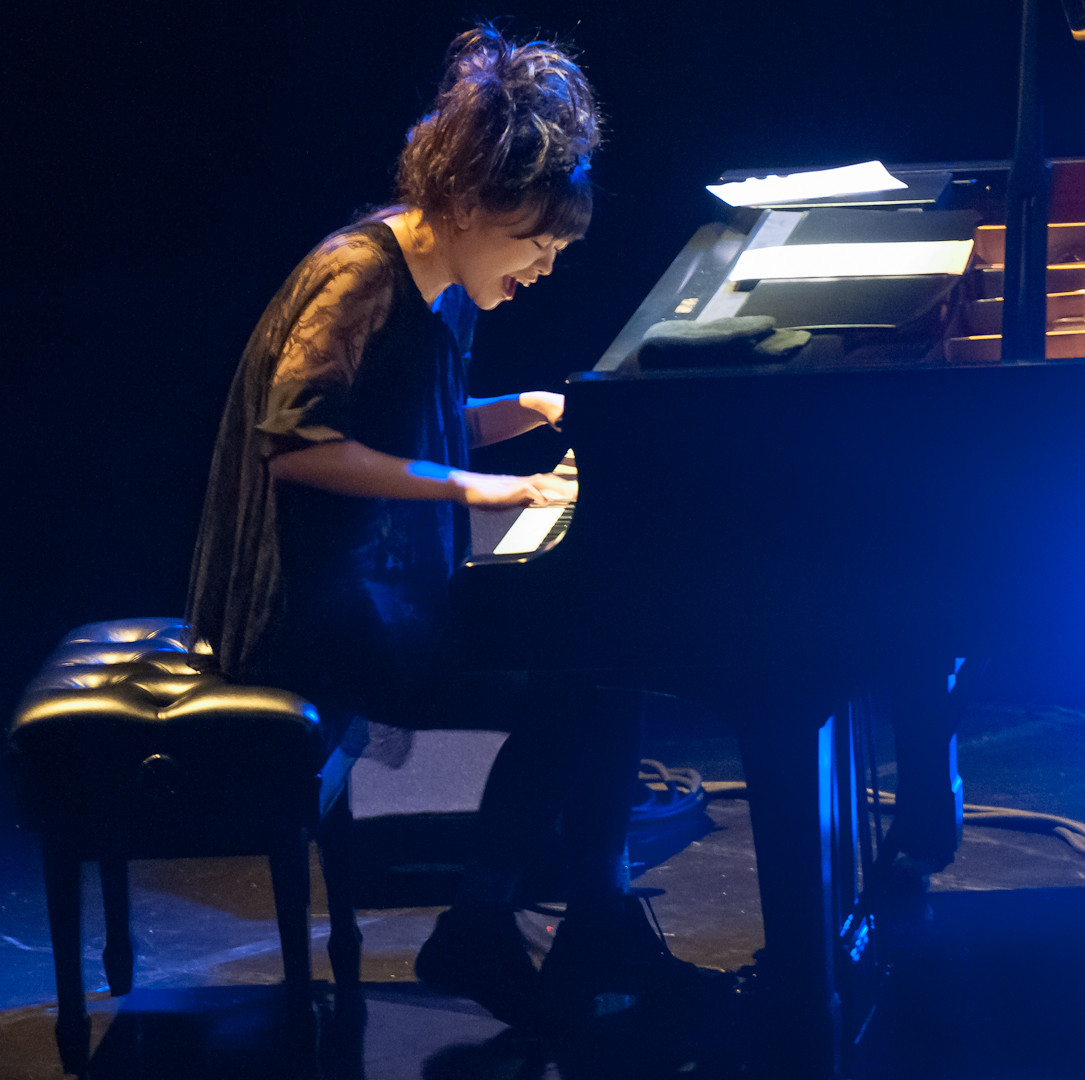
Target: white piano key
{"points": [[529, 530]]}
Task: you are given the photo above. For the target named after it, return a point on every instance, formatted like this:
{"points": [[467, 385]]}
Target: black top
{"points": [[328, 595]]}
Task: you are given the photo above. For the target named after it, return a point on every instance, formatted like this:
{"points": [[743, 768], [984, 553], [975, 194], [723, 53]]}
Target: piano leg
{"points": [[927, 702], [803, 785], [789, 779]]}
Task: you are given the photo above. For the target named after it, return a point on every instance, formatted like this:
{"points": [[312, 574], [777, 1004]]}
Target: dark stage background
{"points": [[169, 163]]}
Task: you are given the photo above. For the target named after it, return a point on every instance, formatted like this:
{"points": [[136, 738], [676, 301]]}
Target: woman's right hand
{"points": [[487, 491]]}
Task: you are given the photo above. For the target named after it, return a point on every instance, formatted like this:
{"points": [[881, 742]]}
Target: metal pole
{"points": [[1024, 307]]}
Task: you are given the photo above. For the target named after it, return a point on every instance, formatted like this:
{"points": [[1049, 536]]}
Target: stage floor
{"points": [[991, 988]]}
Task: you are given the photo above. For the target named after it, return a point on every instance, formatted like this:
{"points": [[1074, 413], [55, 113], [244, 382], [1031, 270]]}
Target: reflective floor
{"points": [[988, 981]]}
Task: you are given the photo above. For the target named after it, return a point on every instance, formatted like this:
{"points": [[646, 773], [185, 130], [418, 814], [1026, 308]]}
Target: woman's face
{"points": [[489, 256]]}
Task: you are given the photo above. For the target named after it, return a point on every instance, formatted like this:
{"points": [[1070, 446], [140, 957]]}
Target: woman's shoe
{"points": [[478, 953], [615, 963]]}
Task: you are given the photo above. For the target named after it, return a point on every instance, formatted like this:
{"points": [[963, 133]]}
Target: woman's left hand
{"points": [[550, 406]]}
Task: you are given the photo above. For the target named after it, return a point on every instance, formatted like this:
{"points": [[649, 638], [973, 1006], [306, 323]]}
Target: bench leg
{"points": [[344, 939], [344, 942], [290, 881], [118, 956], [289, 861], [64, 900]]}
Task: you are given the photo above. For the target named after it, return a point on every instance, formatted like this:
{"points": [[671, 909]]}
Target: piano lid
{"points": [[880, 320]]}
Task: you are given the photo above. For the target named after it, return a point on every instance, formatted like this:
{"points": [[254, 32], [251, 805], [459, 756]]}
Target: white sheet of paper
{"points": [[529, 530], [853, 260], [775, 227], [798, 187]]}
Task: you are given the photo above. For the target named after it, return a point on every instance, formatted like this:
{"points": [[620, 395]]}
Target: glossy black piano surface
{"points": [[823, 518], [769, 537]]}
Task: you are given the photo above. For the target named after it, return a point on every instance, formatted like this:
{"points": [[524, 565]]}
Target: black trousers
{"points": [[569, 764]]}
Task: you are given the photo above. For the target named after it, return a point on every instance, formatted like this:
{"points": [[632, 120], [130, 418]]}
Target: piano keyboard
{"points": [[516, 534], [529, 530]]}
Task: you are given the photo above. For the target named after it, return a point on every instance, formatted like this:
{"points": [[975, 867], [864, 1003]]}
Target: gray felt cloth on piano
{"points": [[739, 339]]}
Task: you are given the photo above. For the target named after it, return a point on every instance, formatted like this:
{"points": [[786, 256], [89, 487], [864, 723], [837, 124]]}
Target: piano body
{"points": [[770, 537]]}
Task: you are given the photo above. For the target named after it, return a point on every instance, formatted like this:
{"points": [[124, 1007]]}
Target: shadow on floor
{"points": [[241, 1033], [990, 985]]}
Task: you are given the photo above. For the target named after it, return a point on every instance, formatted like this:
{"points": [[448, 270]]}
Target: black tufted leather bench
{"points": [[124, 750]]}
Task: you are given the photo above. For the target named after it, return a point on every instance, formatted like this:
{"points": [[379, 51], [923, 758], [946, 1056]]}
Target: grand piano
{"points": [[773, 536]]}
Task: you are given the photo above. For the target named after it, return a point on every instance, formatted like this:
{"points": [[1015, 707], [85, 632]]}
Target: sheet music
{"points": [[853, 260], [817, 184]]}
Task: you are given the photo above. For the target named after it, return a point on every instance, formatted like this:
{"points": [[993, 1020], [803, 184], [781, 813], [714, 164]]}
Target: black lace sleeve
{"points": [[292, 389], [309, 398]]}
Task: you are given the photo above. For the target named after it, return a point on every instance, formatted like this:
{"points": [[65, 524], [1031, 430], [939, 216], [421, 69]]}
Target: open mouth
{"points": [[508, 287]]}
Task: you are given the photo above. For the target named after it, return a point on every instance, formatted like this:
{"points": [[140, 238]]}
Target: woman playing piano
{"points": [[337, 504]]}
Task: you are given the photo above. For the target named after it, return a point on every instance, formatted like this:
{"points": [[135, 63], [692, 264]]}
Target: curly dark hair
{"points": [[513, 128]]}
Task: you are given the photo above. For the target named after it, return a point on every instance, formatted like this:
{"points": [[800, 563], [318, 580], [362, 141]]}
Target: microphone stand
{"points": [[1024, 293]]}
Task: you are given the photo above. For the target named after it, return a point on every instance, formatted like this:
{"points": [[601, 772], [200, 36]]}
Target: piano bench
{"points": [[123, 750]]}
